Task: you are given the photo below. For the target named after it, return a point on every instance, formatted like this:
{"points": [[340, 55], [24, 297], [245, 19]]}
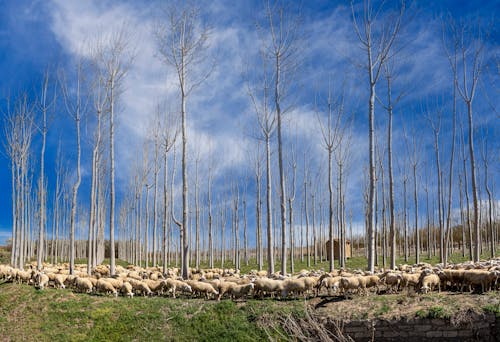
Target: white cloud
{"points": [[219, 111]]}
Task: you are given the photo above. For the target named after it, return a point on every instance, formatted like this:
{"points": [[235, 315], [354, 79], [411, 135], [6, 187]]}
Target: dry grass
{"points": [[405, 305]]}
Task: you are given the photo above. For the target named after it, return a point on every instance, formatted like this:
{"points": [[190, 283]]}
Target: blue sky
{"points": [[35, 35]]}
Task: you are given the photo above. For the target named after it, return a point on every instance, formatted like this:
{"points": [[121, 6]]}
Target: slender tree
{"points": [[281, 48], [331, 133], [182, 44], [377, 52], [471, 51], [76, 108]]}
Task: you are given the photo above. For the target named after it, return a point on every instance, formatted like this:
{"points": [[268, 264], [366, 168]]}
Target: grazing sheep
{"points": [[392, 280], [429, 282], [330, 283], [200, 287], [116, 282], [265, 286], [83, 285], [410, 279], [6, 273], [23, 276], [225, 287], [134, 275], [126, 289], [372, 281], [482, 278], [140, 287], [103, 286], [172, 285], [357, 283], [41, 280], [295, 286], [156, 286], [241, 291], [59, 280]]}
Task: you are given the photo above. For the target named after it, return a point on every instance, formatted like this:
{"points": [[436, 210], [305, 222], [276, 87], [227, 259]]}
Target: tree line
{"points": [[159, 222]]}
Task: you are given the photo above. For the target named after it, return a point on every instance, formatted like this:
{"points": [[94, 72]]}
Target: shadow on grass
{"points": [[328, 300]]}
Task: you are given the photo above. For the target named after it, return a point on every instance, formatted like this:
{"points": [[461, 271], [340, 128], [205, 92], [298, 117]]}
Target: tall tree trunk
{"points": [[112, 177], [475, 200], [415, 198], [330, 212], [270, 244], [42, 187], [74, 196]]}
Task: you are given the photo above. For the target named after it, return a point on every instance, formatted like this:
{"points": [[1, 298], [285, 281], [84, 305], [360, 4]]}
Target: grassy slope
{"points": [[60, 315]]}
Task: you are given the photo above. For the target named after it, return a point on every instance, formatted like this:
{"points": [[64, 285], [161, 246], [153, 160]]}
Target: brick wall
{"points": [[475, 327]]}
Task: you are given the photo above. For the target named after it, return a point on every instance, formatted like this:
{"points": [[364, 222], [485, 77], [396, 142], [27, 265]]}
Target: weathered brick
{"points": [[424, 327], [438, 322], [434, 333], [450, 333], [465, 333]]}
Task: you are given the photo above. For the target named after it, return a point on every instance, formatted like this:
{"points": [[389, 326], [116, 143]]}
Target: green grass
{"points": [[61, 315], [493, 309], [356, 262], [4, 256]]}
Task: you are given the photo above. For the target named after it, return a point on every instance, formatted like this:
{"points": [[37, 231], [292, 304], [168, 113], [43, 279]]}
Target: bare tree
{"points": [[267, 123], [331, 132], [114, 56], [414, 153], [453, 60], [76, 108], [258, 206], [182, 45], [170, 133], [470, 49], [377, 52], [291, 198], [282, 49], [490, 223], [44, 105], [99, 101], [435, 123], [18, 132]]}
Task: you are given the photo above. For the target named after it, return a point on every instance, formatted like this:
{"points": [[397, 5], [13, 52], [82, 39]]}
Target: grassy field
{"points": [[61, 315], [356, 262], [28, 314]]}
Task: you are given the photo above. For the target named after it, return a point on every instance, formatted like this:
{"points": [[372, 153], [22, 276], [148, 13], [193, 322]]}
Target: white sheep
{"points": [[357, 283], [59, 280], [83, 285], [200, 287], [267, 286], [103, 286], [41, 280], [224, 287], [156, 286], [172, 285], [429, 282], [116, 282], [410, 279], [126, 289], [241, 291], [330, 283], [140, 287], [392, 280]]}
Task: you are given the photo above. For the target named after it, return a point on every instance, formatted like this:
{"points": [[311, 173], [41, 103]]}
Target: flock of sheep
{"points": [[227, 283]]}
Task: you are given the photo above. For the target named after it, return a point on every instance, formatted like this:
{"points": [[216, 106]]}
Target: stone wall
{"points": [[472, 327]]}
